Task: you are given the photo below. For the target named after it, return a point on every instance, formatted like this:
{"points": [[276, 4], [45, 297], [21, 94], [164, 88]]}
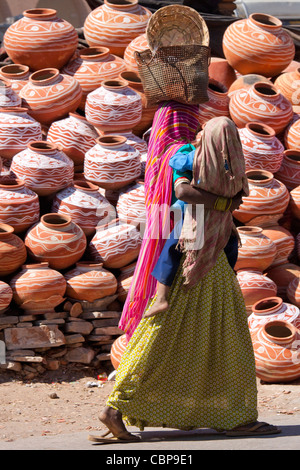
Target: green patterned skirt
{"points": [[193, 365]]}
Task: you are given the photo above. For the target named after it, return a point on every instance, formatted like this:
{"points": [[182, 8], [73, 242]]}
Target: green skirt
{"points": [[193, 365]]}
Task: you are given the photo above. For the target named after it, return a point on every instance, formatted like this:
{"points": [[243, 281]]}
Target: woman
{"points": [[193, 366]]}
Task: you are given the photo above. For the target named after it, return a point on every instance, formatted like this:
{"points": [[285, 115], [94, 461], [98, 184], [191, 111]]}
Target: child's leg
{"points": [[161, 301]]}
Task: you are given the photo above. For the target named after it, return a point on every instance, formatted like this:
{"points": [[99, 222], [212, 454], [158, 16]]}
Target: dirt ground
{"points": [[67, 401]]}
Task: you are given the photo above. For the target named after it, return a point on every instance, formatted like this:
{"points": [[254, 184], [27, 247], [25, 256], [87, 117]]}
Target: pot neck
{"points": [[265, 91], [268, 306], [86, 266], [45, 77], [94, 54], [260, 178], [260, 130], [86, 187], [42, 147], [250, 231], [40, 14], [15, 72], [279, 332], [111, 141], [56, 221], [5, 231], [122, 5], [267, 22]]}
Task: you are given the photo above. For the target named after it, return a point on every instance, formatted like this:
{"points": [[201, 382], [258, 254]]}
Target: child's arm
{"points": [[191, 195]]}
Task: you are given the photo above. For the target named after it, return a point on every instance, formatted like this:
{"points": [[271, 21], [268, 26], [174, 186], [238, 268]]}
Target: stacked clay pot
{"points": [[288, 84], [255, 286], [6, 295], [40, 39], [90, 282], [289, 172], [282, 275], [8, 97], [246, 81], [50, 95], [37, 288], [293, 292], [272, 308], [16, 74], [56, 239], [113, 107], [257, 251], [283, 240], [115, 24], [295, 202], [117, 350], [138, 44], [217, 104], [112, 163], [220, 70], [12, 251], [17, 130], [75, 135], [43, 167], [131, 204], [292, 135], [124, 281]]}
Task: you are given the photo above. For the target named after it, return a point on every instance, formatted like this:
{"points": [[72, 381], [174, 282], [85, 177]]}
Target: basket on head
{"points": [[176, 25]]}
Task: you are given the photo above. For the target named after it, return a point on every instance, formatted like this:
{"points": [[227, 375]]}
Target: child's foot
{"points": [[160, 305]]}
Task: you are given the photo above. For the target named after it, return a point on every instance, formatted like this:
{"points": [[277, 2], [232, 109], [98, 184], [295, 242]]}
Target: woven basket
{"points": [[176, 25], [177, 73]]}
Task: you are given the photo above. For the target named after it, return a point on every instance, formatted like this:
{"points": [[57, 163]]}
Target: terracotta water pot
{"points": [[75, 135], [6, 295], [267, 201], [112, 163], [50, 95], [282, 275], [90, 282], [40, 39], [17, 129], [292, 135], [289, 172], [115, 245], [288, 84], [272, 308], [246, 81], [138, 44], [12, 251], [16, 74], [38, 289], [124, 281], [85, 205], [114, 107], [43, 167], [19, 206], [295, 202], [217, 104], [220, 70], [131, 204], [117, 350], [261, 102], [255, 286], [91, 66], [56, 240], [258, 44], [283, 240], [261, 148], [293, 292], [115, 24], [8, 97], [257, 251]]}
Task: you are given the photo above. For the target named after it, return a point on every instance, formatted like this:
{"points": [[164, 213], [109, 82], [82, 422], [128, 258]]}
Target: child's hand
{"points": [[236, 202]]}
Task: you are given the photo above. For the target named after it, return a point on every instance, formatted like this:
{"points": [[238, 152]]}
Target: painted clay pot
{"points": [[90, 282], [19, 206], [272, 308], [267, 200], [17, 129], [124, 281], [115, 245], [255, 286], [113, 107], [85, 205], [75, 135], [138, 44], [288, 84], [295, 202], [6, 295], [245, 82], [276, 349], [38, 289], [292, 135], [282, 275], [16, 74], [112, 163], [117, 350], [220, 70], [217, 104], [289, 172], [8, 97], [293, 292], [261, 148], [12, 251], [284, 242], [56, 240], [115, 24], [258, 45], [91, 66], [43, 167], [131, 204], [40, 39], [50, 95], [256, 251], [261, 102]]}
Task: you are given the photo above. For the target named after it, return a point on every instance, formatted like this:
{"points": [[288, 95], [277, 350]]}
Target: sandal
{"points": [[254, 429], [124, 436]]}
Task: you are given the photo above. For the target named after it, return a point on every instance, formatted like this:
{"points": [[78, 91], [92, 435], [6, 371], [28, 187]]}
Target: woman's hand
{"points": [[236, 202]]}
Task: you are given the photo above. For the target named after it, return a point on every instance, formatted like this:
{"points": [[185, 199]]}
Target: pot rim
{"points": [[111, 140], [279, 339], [62, 220], [121, 4], [85, 185], [260, 125], [6, 229], [94, 52], [266, 85], [52, 72], [40, 13], [277, 301], [273, 23], [23, 69], [115, 84]]}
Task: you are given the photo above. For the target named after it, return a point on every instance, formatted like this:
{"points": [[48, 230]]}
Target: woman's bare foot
{"points": [[160, 305], [113, 421]]}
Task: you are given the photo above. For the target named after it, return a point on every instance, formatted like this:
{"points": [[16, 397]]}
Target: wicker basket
{"points": [[177, 73]]}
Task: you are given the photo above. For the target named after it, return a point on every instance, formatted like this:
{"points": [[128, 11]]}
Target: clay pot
{"points": [[261, 148], [56, 240], [217, 104], [40, 39], [272, 308], [293, 292], [8, 97], [261, 102], [17, 129], [16, 74], [220, 70], [292, 135], [257, 251], [12, 251], [90, 282], [258, 45], [284, 242], [267, 201], [117, 350], [6, 295], [131, 204], [124, 281], [115, 24], [289, 172], [19, 206], [50, 95], [282, 275], [295, 202], [245, 82], [91, 66], [43, 167], [85, 205], [112, 163], [115, 245], [138, 44], [288, 84], [255, 286], [38, 289], [75, 135], [113, 107]]}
